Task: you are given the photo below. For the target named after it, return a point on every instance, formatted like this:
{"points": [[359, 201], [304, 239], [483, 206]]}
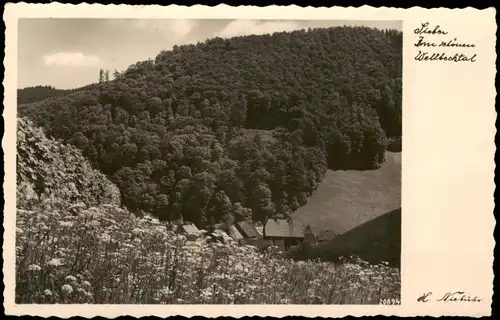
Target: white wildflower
{"points": [[161, 229], [47, 292], [92, 213], [77, 205], [105, 237], [34, 267], [207, 293], [55, 262], [54, 214], [70, 279], [166, 291], [67, 288], [86, 284], [66, 223], [137, 231], [19, 230]]}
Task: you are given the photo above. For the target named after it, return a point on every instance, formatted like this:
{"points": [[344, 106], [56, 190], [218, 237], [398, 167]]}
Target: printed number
{"points": [[389, 301]]}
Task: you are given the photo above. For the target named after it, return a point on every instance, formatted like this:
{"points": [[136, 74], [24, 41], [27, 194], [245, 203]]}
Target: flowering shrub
{"points": [[106, 255], [52, 172]]}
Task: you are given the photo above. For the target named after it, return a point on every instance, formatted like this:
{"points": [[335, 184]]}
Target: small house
{"points": [[247, 229], [283, 233], [189, 230], [235, 233]]}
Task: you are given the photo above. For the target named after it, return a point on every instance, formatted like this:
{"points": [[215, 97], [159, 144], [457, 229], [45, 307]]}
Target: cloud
{"points": [[72, 59], [247, 27], [183, 27], [173, 28]]}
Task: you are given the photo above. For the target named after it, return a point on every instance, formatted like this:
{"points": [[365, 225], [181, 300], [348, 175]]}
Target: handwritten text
{"points": [[457, 296], [431, 37]]}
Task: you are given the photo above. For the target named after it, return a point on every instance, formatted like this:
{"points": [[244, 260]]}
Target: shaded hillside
{"points": [[347, 199], [375, 241], [48, 171], [252, 120]]}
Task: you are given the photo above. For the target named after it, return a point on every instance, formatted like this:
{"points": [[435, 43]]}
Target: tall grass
{"points": [[105, 255]]}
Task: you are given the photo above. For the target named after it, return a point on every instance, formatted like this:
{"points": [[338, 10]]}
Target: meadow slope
{"points": [[348, 198]]}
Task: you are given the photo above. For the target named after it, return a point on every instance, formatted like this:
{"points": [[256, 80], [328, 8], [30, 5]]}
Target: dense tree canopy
{"points": [[235, 128], [39, 93]]}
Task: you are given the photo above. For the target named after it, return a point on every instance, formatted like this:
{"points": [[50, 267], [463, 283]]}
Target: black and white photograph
{"points": [[208, 161], [247, 161]]}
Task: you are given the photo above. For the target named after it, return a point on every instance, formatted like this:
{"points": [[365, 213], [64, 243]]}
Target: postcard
{"points": [[248, 161]]}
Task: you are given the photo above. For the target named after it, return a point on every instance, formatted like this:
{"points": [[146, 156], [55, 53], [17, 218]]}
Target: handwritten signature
{"points": [[457, 296]]}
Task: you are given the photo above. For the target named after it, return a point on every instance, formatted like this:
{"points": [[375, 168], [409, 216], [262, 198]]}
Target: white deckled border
{"points": [[448, 160]]}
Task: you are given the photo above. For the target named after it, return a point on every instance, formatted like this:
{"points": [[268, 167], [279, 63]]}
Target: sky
{"points": [[68, 53]]}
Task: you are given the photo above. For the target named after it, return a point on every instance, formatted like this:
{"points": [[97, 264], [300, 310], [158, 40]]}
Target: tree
{"points": [[223, 207], [116, 75], [101, 76], [161, 209], [241, 213]]}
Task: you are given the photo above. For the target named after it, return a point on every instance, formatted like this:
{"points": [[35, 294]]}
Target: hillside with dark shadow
{"points": [[375, 241]]}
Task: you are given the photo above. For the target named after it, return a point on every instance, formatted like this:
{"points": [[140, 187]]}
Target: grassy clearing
{"points": [[104, 255], [347, 199]]}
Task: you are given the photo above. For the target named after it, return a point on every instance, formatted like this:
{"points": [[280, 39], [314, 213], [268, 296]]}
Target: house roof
{"points": [[233, 232], [189, 229], [283, 229], [247, 229]]}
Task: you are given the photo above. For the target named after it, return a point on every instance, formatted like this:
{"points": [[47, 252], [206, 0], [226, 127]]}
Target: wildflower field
{"points": [[105, 255]]}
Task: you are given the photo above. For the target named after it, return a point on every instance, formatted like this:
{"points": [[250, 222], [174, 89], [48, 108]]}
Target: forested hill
{"points": [[235, 128], [39, 93]]}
